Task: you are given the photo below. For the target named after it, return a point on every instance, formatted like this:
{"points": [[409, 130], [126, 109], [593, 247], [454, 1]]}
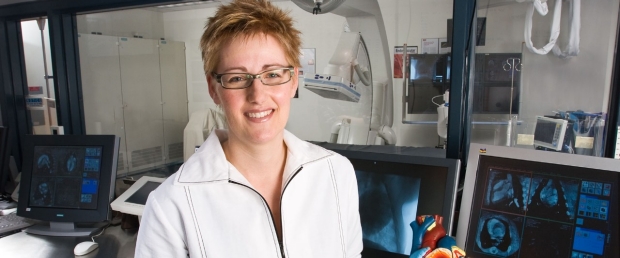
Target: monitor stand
{"points": [[66, 229]]}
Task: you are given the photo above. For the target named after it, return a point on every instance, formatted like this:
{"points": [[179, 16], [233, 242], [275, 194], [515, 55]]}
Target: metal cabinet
{"points": [[136, 88]]}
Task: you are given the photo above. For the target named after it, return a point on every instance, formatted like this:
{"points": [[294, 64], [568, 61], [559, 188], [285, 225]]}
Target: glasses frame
{"points": [[252, 77]]}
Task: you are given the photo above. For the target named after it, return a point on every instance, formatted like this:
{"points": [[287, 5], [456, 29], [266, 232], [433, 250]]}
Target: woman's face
{"points": [[257, 114]]}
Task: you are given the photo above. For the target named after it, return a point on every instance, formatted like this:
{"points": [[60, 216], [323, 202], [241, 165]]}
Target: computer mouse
{"points": [[85, 248]]}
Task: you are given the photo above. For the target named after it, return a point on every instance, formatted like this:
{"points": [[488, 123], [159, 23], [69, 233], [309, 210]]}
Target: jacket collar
{"points": [[209, 163]]}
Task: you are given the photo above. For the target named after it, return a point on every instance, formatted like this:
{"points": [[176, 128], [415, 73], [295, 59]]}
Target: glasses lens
{"points": [[244, 80], [235, 80], [275, 77]]}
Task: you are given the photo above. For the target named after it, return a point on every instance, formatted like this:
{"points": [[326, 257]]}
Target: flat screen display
{"points": [[523, 208], [140, 196], [545, 130], [65, 177], [391, 195]]}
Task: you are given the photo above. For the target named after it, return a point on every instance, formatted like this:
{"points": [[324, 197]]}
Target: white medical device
{"points": [[442, 116], [133, 200], [549, 132], [337, 80], [200, 125]]}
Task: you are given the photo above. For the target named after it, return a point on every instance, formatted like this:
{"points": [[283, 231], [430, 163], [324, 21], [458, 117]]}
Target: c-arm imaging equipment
{"points": [[338, 80]]}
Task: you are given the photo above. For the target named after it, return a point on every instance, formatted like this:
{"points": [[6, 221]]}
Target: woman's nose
{"points": [[257, 92]]}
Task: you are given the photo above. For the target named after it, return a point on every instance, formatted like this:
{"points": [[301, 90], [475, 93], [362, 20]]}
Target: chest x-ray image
{"points": [[388, 203]]}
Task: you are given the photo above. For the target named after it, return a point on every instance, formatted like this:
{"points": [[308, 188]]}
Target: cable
{"points": [[100, 233], [433, 100]]}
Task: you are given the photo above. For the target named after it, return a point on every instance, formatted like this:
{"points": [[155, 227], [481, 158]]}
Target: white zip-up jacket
{"points": [[208, 208]]}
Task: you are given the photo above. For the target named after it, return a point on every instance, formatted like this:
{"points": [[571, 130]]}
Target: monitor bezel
{"points": [[122, 205], [453, 166], [110, 145], [476, 150], [5, 150]]}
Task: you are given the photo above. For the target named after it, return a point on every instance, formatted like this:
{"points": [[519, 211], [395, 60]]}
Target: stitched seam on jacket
{"points": [[331, 172], [198, 232]]}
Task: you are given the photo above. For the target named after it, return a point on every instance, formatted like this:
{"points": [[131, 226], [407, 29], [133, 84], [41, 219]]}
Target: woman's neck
{"points": [[257, 162]]}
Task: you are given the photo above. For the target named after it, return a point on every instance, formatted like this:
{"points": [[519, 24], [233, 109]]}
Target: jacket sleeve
{"points": [[157, 236], [353, 227]]}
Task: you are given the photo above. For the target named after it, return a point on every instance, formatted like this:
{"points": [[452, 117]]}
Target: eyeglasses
{"points": [[243, 80]]}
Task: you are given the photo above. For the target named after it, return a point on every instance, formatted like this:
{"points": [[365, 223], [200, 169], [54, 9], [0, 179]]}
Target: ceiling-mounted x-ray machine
{"points": [[364, 17]]}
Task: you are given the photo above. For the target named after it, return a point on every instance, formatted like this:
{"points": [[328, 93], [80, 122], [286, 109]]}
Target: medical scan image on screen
{"points": [[65, 177], [507, 191], [498, 233], [388, 204], [532, 209]]}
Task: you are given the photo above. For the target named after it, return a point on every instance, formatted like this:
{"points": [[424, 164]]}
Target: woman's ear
{"points": [[212, 84]]}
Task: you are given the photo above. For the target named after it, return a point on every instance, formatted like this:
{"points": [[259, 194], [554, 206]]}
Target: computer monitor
{"points": [[529, 203], [429, 76], [67, 179], [133, 200], [5, 174], [394, 189]]}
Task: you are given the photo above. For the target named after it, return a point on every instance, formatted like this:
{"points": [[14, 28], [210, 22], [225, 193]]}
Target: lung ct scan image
{"points": [[388, 204], [498, 234], [507, 191], [553, 198]]}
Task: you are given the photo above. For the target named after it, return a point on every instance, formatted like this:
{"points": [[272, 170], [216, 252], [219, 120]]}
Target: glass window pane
{"points": [[538, 82], [40, 100]]}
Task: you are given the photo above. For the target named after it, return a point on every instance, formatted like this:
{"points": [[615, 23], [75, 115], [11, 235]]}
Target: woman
{"points": [[254, 190]]}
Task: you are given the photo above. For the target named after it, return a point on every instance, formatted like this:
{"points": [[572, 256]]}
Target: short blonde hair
{"points": [[247, 18]]}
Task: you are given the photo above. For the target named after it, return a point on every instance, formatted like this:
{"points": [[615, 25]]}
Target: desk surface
{"points": [[115, 242]]}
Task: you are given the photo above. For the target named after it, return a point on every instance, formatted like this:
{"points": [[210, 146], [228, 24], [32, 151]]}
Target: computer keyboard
{"points": [[12, 222]]}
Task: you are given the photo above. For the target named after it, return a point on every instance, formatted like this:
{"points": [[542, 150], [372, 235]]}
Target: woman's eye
{"points": [[273, 75], [235, 79]]}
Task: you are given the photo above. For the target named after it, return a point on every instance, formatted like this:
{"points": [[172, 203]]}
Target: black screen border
{"points": [[5, 173], [109, 159]]}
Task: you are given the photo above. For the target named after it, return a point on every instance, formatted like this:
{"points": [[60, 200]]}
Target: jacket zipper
{"points": [[280, 247]]}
